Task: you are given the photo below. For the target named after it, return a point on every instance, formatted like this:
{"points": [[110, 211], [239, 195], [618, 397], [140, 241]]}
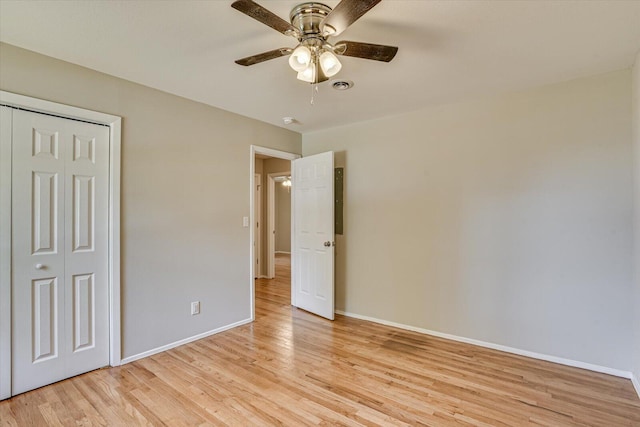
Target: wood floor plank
{"points": [[292, 368]]}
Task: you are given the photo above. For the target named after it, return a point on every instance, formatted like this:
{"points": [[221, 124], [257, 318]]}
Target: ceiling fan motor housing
{"points": [[307, 17]]}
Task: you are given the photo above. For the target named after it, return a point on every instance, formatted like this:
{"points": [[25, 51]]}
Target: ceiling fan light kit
{"points": [[314, 59], [300, 59], [329, 63], [308, 74]]}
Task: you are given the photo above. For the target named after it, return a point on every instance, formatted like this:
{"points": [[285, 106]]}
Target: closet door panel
{"points": [[60, 171]]}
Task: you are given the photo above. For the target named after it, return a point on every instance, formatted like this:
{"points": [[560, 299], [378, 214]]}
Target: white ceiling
{"points": [[448, 51]]}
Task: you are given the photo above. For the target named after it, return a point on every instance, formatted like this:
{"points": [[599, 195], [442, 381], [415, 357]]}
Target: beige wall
{"points": [[273, 165], [283, 218], [185, 177], [506, 220], [636, 164]]}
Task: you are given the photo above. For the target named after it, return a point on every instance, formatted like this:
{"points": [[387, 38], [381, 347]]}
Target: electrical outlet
{"points": [[195, 308]]}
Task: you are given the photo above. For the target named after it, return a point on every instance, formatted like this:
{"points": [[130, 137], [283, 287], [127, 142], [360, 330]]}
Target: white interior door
{"points": [[313, 234], [60, 173]]}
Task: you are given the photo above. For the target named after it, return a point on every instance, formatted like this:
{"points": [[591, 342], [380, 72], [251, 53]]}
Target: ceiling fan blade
{"points": [[344, 14], [265, 56], [377, 52], [259, 13]]}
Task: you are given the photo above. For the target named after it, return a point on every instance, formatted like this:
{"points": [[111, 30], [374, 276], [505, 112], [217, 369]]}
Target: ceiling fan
{"points": [[314, 58]]}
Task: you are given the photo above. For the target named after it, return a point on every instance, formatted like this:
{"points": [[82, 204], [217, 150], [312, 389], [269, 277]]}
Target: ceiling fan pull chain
{"points": [[312, 93], [314, 90]]}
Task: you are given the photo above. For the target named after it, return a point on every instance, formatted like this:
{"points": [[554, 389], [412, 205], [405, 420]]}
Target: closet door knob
{"points": [[40, 266]]}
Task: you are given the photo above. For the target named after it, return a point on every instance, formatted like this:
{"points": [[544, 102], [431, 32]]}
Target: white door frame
{"points": [[256, 149], [271, 216], [64, 111]]}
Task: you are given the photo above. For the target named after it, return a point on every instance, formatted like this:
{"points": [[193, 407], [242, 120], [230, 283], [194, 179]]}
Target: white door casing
{"points": [[313, 234], [60, 249], [6, 115]]}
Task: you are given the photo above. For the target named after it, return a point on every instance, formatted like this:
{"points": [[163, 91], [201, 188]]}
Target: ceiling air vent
{"points": [[342, 84]]}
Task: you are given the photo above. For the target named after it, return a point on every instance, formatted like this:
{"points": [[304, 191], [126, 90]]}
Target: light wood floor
{"points": [[292, 368]]}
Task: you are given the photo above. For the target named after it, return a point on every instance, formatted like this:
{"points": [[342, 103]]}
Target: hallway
{"points": [[276, 291]]}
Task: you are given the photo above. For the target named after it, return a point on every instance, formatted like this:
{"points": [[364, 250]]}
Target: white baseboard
{"points": [[184, 341], [262, 276], [540, 356], [636, 383], [283, 252]]}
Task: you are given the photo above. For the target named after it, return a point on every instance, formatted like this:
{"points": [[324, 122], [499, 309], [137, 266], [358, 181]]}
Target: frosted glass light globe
{"points": [[300, 58]]}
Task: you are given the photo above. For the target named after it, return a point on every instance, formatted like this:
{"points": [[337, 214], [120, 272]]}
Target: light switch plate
{"points": [[195, 308]]}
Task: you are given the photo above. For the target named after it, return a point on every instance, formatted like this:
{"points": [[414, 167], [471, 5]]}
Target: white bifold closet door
{"points": [[60, 295]]}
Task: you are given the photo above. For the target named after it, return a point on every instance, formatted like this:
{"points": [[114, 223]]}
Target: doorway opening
{"points": [[278, 219], [272, 220]]}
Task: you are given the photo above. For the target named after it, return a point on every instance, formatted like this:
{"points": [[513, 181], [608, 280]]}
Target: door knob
{"points": [[327, 244], [40, 266]]}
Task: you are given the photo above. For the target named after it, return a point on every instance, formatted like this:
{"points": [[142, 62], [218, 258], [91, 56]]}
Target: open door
{"points": [[312, 260]]}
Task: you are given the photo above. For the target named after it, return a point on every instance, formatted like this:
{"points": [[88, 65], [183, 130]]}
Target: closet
{"points": [[59, 246]]}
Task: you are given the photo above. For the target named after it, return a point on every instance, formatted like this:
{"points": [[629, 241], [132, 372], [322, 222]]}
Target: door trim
{"points": [[253, 150], [65, 111], [5, 258]]}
